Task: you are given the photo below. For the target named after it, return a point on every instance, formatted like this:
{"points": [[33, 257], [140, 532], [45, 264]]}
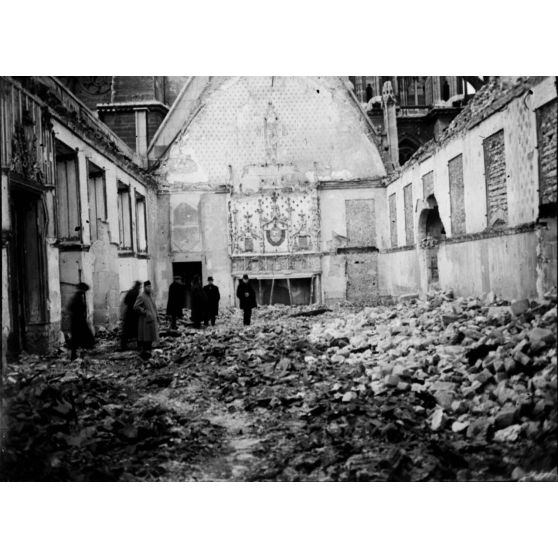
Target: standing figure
{"points": [[199, 302], [129, 316], [148, 320], [81, 335], [213, 297], [247, 297], [176, 300]]}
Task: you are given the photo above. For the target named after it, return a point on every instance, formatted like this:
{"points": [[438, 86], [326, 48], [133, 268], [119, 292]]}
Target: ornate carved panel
{"points": [[274, 222]]}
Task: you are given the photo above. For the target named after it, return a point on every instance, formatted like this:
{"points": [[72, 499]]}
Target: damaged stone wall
{"points": [[474, 258], [262, 147]]}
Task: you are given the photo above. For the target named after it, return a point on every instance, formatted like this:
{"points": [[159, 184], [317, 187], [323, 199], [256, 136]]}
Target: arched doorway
{"points": [[431, 232]]}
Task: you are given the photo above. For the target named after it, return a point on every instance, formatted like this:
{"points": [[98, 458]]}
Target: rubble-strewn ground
{"points": [[441, 389]]}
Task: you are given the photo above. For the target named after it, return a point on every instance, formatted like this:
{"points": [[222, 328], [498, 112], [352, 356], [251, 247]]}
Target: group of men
{"points": [[140, 319]]}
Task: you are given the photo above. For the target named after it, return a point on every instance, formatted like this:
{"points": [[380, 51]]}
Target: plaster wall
{"points": [[399, 272], [109, 274], [310, 123], [482, 266], [478, 264], [334, 234]]}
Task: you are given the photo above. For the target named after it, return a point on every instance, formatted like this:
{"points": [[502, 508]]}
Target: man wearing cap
{"points": [[80, 332], [247, 297], [213, 297], [148, 320], [176, 300]]}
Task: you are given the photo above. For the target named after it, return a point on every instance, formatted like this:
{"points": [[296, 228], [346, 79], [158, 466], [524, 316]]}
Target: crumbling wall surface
{"points": [[335, 231], [398, 272], [216, 261], [505, 264], [162, 266], [309, 122], [508, 161], [343, 242]]}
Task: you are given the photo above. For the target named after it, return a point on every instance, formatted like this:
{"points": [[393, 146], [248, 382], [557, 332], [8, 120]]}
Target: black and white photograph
{"points": [[247, 280]]}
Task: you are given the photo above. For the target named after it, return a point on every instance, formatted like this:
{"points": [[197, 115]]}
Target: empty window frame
{"points": [[495, 177], [141, 224], [97, 198], [125, 217], [67, 193]]}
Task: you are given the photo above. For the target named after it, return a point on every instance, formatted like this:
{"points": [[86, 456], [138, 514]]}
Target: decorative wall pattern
{"points": [[274, 222], [310, 122]]}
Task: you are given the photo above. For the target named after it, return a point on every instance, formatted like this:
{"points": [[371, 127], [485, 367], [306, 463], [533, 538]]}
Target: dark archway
{"points": [[431, 232], [407, 147]]}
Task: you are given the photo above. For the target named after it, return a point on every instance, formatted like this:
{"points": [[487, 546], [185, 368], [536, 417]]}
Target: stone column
{"points": [[390, 123]]}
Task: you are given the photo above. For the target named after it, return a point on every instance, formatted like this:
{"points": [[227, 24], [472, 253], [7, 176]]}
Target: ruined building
{"points": [[319, 193]]}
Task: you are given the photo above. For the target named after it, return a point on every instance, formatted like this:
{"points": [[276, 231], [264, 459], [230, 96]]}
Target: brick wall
{"points": [[408, 199], [134, 88], [427, 184], [495, 177], [393, 220], [457, 200], [123, 124], [547, 126], [361, 222]]}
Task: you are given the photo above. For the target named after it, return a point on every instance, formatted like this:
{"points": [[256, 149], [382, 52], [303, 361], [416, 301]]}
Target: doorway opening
{"points": [[290, 292], [27, 277], [431, 231], [187, 270]]}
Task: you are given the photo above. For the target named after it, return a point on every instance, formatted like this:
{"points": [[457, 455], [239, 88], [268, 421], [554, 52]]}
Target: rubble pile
{"points": [[89, 422], [436, 389], [480, 378]]}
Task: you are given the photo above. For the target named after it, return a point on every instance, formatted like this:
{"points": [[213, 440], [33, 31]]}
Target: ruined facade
{"points": [[481, 202], [76, 206], [292, 180], [269, 176]]}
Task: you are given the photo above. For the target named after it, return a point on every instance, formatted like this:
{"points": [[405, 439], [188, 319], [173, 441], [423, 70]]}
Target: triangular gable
{"points": [[220, 125]]}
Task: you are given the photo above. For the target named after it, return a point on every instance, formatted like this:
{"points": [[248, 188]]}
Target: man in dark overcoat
{"points": [[199, 302], [148, 321], [176, 300], [80, 332], [129, 316], [213, 297], [247, 297]]}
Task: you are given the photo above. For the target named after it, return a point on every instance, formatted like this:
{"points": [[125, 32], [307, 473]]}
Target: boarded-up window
{"points": [[141, 224], [408, 201], [97, 199], [495, 176], [547, 127], [361, 226], [428, 184], [67, 193], [393, 220], [124, 217], [457, 200]]}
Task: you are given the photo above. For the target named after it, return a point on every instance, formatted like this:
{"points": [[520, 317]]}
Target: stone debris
{"points": [[439, 389]]}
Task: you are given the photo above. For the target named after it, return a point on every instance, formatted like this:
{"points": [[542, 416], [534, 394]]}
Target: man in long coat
{"points": [[199, 302], [247, 297], [80, 332], [129, 316], [176, 300], [148, 320], [213, 297]]}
